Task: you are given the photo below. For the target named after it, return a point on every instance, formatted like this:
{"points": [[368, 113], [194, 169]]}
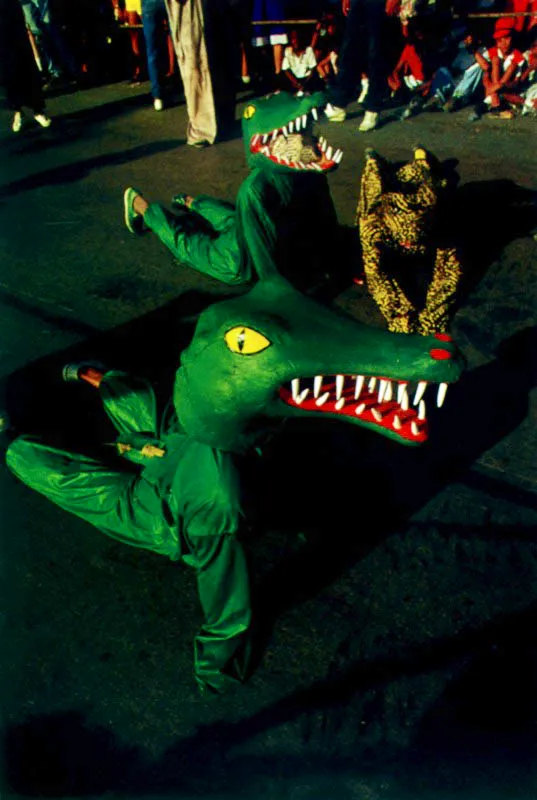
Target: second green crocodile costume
{"points": [[280, 208]]}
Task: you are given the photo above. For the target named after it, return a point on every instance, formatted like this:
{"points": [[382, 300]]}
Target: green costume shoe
{"points": [[133, 220]]}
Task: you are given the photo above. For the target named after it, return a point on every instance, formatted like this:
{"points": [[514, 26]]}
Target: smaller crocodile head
{"points": [[273, 353], [278, 135]]}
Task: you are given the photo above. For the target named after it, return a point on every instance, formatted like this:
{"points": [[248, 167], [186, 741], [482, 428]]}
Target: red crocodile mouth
{"points": [[395, 406]]}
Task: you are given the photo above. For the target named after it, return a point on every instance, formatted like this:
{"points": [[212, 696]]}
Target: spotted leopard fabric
{"points": [[412, 280]]}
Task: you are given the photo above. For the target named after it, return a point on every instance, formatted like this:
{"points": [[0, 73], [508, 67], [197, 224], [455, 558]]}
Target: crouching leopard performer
{"points": [[281, 204], [411, 272], [269, 354]]}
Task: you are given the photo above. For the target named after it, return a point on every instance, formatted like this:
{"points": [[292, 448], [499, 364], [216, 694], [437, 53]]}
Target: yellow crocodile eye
{"points": [[249, 112], [246, 341]]}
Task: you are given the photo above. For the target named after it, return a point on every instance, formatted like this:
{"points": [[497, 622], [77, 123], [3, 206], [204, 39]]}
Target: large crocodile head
{"points": [[274, 353], [278, 135]]}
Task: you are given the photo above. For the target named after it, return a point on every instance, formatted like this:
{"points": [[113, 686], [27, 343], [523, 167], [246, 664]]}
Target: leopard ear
{"points": [[371, 185]]}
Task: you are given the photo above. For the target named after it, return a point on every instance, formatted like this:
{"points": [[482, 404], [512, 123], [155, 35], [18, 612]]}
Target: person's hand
{"points": [[393, 7]]}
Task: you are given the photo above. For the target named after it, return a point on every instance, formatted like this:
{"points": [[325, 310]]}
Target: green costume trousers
{"points": [[184, 505]]}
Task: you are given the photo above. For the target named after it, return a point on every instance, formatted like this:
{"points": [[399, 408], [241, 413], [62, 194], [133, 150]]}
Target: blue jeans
{"points": [[54, 53], [153, 17], [469, 83]]}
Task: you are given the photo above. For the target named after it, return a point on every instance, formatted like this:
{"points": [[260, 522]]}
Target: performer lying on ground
{"points": [[412, 272], [279, 206], [254, 360]]}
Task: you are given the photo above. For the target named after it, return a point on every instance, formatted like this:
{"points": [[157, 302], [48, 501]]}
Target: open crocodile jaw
{"points": [[273, 146], [378, 402]]}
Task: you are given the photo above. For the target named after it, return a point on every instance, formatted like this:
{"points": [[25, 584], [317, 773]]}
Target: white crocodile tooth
{"points": [[359, 409], [397, 423], [323, 144], [295, 388], [298, 124], [329, 153], [317, 384], [285, 160], [322, 399], [340, 383], [274, 134], [314, 114], [291, 126], [255, 140], [383, 385], [441, 396], [421, 410], [414, 428], [338, 155], [265, 151], [376, 414], [359, 385], [404, 402], [422, 385], [388, 394], [285, 131], [401, 390], [371, 385], [304, 120], [340, 403], [301, 165], [317, 167], [302, 396], [265, 138]]}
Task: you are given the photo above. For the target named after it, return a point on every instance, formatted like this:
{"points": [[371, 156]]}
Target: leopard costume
{"points": [[396, 217]]}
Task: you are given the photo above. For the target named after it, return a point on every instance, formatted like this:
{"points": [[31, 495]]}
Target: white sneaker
{"points": [[42, 120], [158, 105], [16, 125], [334, 113], [369, 121]]}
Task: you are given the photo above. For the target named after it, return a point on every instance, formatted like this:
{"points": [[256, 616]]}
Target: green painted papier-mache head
{"points": [[273, 353], [278, 135]]}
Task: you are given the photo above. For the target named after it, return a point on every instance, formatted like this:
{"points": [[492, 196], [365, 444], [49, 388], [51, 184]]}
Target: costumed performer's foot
{"points": [[134, 220], [88, 371]]}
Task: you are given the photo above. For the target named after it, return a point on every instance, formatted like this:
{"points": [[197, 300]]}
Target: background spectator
{"points": [[274, 36], [299, 67], [20, 76]]}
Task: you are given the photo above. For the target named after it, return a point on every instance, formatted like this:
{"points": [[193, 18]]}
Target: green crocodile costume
{"points": [[282, 201], [397, 217], [254, 360]]}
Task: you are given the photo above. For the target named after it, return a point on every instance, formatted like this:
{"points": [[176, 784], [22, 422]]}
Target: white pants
{"points": [[187, 32]]}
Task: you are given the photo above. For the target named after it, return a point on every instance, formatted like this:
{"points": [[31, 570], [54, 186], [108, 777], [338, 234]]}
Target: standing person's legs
{"points": [[351, 60], [152, 11], [186, 28]]}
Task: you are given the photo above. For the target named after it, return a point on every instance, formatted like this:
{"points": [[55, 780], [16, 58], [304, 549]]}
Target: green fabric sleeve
{"points": [[220, 655], [214, 255], [258, 205], [219, 213]]}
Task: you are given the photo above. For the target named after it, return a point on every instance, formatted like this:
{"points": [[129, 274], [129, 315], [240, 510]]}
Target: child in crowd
{"points": [[502, 67], [529, 79], [412, 74], [299, 66]]}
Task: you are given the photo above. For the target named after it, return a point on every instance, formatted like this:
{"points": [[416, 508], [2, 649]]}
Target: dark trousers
{"points": [[364, 49]]}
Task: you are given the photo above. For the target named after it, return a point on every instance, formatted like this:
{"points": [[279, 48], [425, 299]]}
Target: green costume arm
{"points": [[219, 213], [217, 256]]}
